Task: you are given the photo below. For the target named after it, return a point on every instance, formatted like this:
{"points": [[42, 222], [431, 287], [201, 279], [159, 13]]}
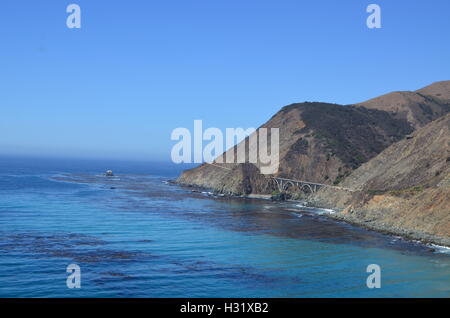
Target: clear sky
{"points": [[117, 87]]}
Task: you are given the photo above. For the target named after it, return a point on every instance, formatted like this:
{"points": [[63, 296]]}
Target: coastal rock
{"points": [[279, 196], [109, 173]]}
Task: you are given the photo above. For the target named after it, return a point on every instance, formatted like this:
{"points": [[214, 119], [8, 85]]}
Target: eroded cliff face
{"points": [[404, 190], [230, 179]]}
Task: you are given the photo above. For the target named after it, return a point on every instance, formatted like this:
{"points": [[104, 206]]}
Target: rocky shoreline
{"points": [[339, 215], [384, 228], [405, 234]]}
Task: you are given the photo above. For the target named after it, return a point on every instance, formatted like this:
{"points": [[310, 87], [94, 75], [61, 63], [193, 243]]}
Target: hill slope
{"points": [[324, 143], [319, 142], [405, 189], [419, 107]]}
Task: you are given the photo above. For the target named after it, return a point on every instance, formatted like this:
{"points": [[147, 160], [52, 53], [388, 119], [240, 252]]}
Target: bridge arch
{"points": [[288, 184], [283, 184], [307, 188], [273, 184]]}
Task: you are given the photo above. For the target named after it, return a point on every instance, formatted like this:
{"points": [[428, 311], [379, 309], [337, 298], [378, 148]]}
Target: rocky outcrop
{"points": [[231, 179], [109, 173]]}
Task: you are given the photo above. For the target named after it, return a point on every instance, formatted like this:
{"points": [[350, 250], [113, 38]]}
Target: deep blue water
{"points": [[135, 236]]}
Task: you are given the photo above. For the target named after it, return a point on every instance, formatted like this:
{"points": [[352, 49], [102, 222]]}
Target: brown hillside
{"points": [[324, 143], [439, 90], [419, 107], [406, 187], [319, 142]]}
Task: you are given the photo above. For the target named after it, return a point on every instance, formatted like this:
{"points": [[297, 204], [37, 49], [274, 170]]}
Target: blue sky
{"points": [[136, 70]]}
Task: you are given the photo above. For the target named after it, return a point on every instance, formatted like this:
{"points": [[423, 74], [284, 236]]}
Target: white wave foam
{"points": [[440, 248]]}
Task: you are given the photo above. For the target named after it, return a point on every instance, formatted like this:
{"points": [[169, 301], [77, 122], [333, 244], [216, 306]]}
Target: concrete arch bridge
{"points": [[284, 184]]}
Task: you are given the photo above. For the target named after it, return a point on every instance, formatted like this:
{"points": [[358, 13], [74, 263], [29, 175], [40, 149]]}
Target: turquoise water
{"points": [[136, 236]]}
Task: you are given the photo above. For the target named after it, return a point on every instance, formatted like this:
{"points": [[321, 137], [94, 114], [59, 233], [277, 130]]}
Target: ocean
{"points": [[136, 235]]}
